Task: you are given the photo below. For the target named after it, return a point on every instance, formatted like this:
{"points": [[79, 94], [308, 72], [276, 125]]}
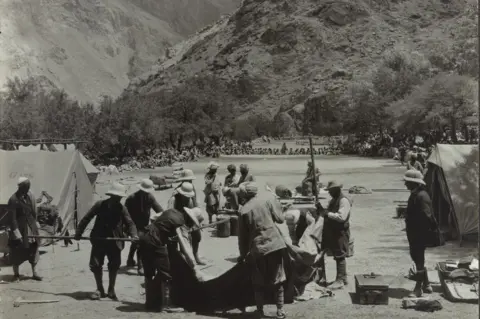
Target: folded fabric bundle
{"points": [[422, 304], [463, 275]]}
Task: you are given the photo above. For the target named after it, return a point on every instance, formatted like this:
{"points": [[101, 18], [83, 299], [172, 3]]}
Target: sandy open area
{"points": [[380, 247]]}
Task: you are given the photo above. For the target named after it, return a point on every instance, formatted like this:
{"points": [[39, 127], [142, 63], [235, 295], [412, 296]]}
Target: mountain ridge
{"points": [[287, 52], [92, 48]]}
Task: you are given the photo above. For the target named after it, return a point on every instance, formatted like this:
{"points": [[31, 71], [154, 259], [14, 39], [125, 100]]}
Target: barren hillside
{"points": [[278, 53], [93, 47]]}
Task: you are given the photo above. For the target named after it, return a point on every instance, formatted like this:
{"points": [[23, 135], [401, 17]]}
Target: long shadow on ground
{"points": [[132, 307], [77, 295]]}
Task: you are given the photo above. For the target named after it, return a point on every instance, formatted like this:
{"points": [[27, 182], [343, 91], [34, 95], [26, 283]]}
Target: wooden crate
{"points": [[371, 289]]}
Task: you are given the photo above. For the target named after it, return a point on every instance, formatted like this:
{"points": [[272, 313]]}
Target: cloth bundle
{"points": [[422, 304]]}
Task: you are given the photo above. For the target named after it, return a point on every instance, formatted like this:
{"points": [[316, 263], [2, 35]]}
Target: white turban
{"points": [[22, 180]]}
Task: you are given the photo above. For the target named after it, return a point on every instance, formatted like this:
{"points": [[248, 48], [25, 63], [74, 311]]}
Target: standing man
{"points": [[111, 216], [212, 190], [182, 198], [309, 180], [187, 176], [414, 164], [336, 232], [23, 223], [230, 181], [420, 225], [139, 206], [260, 238], [245, 177]]}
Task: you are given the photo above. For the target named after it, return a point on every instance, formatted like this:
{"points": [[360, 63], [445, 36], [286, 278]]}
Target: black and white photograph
{"points": [[184, 159]]}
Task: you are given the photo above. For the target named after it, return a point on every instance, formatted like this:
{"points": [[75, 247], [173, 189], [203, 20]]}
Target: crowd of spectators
{"points": [[373, 145]]}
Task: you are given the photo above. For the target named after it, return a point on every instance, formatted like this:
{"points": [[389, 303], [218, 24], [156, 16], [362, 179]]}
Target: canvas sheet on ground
{"points": [[233, 289]]}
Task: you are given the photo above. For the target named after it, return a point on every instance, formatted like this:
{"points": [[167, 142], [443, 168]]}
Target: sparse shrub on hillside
{"points": [[398, 73], [445, 100]]}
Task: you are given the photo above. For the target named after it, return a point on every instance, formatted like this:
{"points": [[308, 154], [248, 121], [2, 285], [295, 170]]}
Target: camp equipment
{"points": [[457, 290], [81, 238], [452, 182], [223, 229], [314, 184], [371, 289], [61, 174]]}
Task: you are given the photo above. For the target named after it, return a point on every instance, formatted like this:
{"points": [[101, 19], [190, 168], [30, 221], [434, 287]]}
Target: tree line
{"points": [[408, 91]]}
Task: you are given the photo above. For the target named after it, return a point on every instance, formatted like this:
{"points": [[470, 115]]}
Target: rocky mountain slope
{"points": [[280, 53], [94, 47]]}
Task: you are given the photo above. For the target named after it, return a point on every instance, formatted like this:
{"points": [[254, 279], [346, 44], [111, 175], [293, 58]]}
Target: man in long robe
{"points": [[230, 181], [23, 223]]}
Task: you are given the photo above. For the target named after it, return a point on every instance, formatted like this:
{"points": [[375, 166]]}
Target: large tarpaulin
{"points": [[233, 289], [459, 166], [57, 173]]}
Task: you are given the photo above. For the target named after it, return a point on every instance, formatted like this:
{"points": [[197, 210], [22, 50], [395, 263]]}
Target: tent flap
{"points": [[459, 166]]}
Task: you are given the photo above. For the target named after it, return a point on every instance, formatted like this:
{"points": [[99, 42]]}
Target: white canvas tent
{"points": [[452, 181], [60, 174]]}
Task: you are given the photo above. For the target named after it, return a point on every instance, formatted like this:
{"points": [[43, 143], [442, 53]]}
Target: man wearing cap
{"points": [[230, 181], [260, 238], [420, 226], [111, 216], [139, 205], [212, 190], [184, 197], [336, 232], [23, 223], [158, 244]]}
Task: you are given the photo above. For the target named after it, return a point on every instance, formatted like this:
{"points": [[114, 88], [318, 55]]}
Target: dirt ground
{"points": [[380, 247]]}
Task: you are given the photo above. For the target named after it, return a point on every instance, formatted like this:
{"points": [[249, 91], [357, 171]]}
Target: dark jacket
{"points": [[419, 220], [109, 221], [23, 214], [336, 234], [139, 206]]}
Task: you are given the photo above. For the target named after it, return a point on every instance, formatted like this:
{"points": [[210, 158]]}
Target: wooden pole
{"points": [[75, 216], [82, 238], [314, 184]]}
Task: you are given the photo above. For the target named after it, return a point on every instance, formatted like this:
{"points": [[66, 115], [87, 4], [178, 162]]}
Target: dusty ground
{"points": [[380, 246]]}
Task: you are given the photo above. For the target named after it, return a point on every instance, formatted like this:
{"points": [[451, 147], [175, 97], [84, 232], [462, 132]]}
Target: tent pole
{"points": [[75, 216]]}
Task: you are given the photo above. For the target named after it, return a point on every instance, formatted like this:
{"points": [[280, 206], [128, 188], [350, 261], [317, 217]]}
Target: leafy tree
{"points": [[446, 100]]}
